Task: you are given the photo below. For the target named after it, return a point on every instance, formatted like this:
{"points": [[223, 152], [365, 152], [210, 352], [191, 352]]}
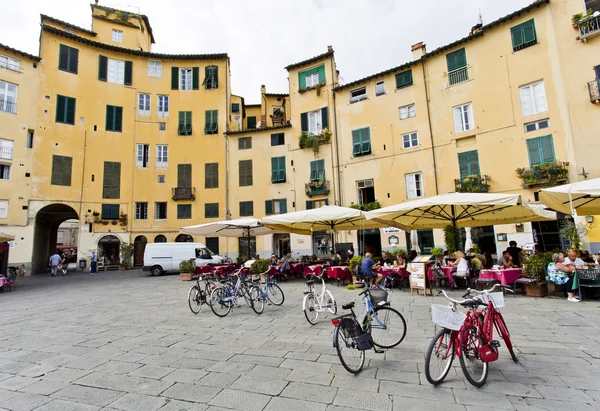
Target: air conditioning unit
{"points": [[364, 184]]}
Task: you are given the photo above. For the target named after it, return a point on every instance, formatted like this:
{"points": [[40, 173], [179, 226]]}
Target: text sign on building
{"points": [[393, 240], [391, 230]]}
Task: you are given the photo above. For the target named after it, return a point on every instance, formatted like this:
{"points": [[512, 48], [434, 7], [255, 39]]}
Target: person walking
{"points": [[64, 264], [94, 263], [54, 263]]}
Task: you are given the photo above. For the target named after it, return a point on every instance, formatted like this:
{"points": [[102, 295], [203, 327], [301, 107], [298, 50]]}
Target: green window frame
{"points": [[245, 173], [110, 212], [184, 176], [278, 169], [523, 35], [361, 141], [184, 211], [310, 204], [211, 175], [404, 79], [235, 107], [65, 109], [211, 124], [61, 170], [251, 122], [540, 150], [211, 77], [114, 119], [278, 139], [185, 123], [271, 206], [244, 143], [246, 208], [111, 184], [317, 170], [68, 59], [320, 70], [211, 210], [468, 164], [456, 60]]}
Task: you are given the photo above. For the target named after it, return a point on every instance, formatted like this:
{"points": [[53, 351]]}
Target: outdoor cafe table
{"points": [[297, 268], [316, 269], [447, 270], [3, 281], [403, 272], [339, 273], [505, 276]]}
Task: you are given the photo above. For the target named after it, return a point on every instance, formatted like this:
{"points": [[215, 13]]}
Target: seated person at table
{"points": [[385, 259], [273, 262], [586, 257], [573, 259], [367, 270], [476, 263], [350, 253], [462, 268], [515, 252], [508, 260], [560, 273], [283, 266], [400, 261], [488, 261]]}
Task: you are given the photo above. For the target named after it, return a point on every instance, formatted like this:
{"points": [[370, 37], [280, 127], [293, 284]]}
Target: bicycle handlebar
{"points": [[497, 285], [464, 301]]}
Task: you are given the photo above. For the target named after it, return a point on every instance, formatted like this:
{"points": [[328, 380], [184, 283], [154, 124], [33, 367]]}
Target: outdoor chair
{"points": [[522, 282], [482, 283], [588, 279]]}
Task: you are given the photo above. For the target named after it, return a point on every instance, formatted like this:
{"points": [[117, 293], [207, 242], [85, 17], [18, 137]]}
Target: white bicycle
{"points": [[315, 302]]}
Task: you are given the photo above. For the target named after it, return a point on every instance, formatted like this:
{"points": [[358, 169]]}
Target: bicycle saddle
{"points": [[348, 306], [310, 282]]}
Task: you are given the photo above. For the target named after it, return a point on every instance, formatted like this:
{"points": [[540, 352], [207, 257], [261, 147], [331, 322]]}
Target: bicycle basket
{"points": [[445, 316], [496, 298], [378, 296]]}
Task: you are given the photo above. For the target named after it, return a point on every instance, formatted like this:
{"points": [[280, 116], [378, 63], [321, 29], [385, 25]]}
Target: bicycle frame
{"points": [[370, 311], [319, 297]]}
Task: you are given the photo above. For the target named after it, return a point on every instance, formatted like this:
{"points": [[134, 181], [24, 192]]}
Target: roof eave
{"points": [[310, 60], [19, 52], [67, 24]]}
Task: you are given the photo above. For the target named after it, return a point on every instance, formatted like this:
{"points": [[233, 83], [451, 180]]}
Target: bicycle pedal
{"points": [[378, 351], [495, 343]]}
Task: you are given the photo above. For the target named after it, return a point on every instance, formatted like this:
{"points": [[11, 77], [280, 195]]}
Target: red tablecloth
{"points": [[313, 269], [389, 271], [447, 270], [297, 268], [3, 281], [506, 277], [339, 273], [273, 271]]}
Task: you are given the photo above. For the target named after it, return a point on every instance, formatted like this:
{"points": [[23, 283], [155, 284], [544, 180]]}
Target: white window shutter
{"points": [[469, 114], [526, 100], [457, 119], [4, 209], [140, 155], [539, 95]]}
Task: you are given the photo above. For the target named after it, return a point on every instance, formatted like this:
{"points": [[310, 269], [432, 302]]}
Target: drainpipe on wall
{"points": [[81, 200], [337, 149], [227, 213]]}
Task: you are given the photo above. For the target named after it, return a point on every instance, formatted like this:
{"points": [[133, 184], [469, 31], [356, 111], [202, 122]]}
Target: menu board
{"points": [[418, 270]]}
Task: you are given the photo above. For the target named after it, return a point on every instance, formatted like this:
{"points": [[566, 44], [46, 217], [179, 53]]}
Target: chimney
{"points": [[418, 50], [330, 49], [263, 115]]}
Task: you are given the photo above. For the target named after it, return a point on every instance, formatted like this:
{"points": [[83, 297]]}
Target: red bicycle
{"points": [[470, 336]]}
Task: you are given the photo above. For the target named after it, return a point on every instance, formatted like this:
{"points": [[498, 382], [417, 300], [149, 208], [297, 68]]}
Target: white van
{"points": [[165, 257]]}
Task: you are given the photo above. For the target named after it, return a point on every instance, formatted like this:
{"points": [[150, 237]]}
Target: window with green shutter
{"points": [[185, 123], [184, 211], [468, 164], [312, 77], [244, 143], [110, 212], [114, 118], [211, 77], [245, 173], [278, 169], [61, 170], [317, 170], [211, 175], [211, 210], [65, 110], [541, 150], [252, 122], [68, 59], [361, 141], [235, 107], [523, 35], [404, 79], [246, 208], [278, 206], [277, 139], [211, 123], [111, 185], [456, 60], [184, 175]]}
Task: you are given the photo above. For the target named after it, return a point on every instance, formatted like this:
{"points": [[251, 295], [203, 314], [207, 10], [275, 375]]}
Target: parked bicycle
{"points": [[315, 302], [270, 292], [226, 295], [199, 293], [382, 327], [468, 336]]}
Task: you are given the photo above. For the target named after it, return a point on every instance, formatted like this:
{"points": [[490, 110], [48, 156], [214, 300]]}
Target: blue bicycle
{"points": [[270, 292], [225, 296]]}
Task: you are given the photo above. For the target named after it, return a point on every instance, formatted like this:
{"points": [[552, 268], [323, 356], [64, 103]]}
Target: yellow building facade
{"points": [[135, 144]]}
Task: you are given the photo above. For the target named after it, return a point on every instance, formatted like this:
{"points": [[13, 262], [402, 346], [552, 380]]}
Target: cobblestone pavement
{"points": [[127, 341]]}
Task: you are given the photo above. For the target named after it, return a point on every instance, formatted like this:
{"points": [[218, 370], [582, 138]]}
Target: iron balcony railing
{"points": [[589, 26], [184, 193], [459, 75], [315, 188], [472, 184], [6, 153], [594, 89]]}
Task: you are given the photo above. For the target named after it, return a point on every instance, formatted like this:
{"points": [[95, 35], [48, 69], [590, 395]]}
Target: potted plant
{"points": [[123, 219], [399, 251], [535, 268], [186, 268], [114, 222], [575, 19], [105, 222], [240, 259], [126, 253], [451, 238], [353, 263], [259, 266]]}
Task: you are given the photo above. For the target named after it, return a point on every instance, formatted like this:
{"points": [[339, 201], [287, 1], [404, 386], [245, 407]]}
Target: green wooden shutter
{"points": [[128, 73], [283, 206], [252, 122], [56, 178], [110, 118], [523, 35], [63, 57], [321, 72], [112, 180], [547, 149], [195, 77], [184, 175], [324, 117], [60, 109], [313, 170], [211, 175], [356, 142], [102, 68], [309, 204], [174, 78], [304, 122], [269, 207], [534, 151], [366, 140], [67, 170], [215, 74], [119, 119], [181, 129], [274, 169], [301, 80], [70, 110], [73, 60], [326, 201], [474, 163], [282, 175], [456, 59], [529, 31], [404, 79], [463, 165], [188, 123]]}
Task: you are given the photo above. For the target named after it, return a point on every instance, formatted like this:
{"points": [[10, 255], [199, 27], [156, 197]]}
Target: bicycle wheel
{"points": [[393, 330], [351, 358], [473, 367], [330, 301], [208, 287], [258, 300], [218, 303], [310, 309], [503, 330], [275, 294], [194, 300], [439, 356]]}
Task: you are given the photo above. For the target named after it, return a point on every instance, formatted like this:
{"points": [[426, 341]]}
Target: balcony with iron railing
{"points": [[317, 188], [8, 106], [472, 184], [460, 75], [6, 153], [589, 26], [594, 89], [184, 193], [544, 175]]}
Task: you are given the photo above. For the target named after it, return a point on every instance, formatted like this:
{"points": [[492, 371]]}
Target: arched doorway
{"points": [[160, 239], [184, 238], [47, 221], [139, 245], [108, 251]]}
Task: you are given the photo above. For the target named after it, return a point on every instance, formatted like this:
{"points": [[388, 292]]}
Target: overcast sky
{"points": [[263, 36]]}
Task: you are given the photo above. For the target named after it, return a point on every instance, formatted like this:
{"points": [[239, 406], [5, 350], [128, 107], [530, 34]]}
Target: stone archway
{"points": [[47, 221], [108, 251], [139, 246], [160, 239]]}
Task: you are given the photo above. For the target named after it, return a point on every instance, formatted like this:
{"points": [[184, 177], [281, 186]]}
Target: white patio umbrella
{"points": [[414, 241], [460, 210], [581, 198], [468, 240], [6, 237]]}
